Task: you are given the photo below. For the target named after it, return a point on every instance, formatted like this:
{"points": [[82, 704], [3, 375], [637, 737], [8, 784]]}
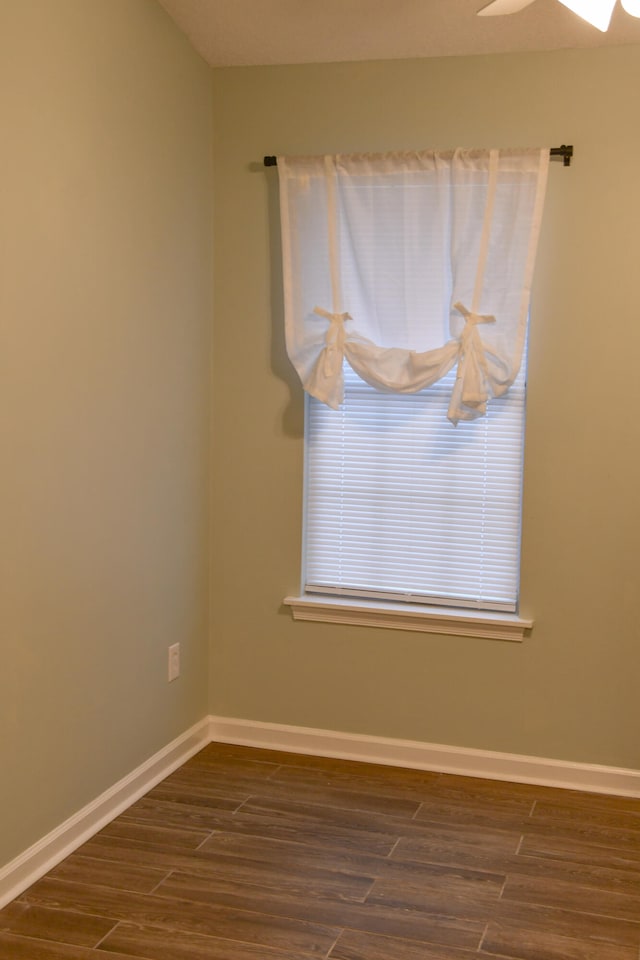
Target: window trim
{"points": [[447, 621]]}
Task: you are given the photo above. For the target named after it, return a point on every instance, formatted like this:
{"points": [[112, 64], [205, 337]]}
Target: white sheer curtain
{"points": [[407, 264]]}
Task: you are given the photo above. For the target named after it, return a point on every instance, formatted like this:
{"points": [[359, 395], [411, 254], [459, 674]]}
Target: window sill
{"points": [[400, 616]]}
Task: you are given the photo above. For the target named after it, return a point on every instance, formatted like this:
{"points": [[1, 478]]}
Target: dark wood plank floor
{"points": [[247, 854]]}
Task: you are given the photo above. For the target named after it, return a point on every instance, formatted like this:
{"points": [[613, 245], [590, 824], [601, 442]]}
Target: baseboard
{"points": [[33, 863], [428, 756], [38, 859]]}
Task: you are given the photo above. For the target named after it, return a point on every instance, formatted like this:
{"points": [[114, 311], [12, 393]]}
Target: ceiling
{"points": [[258, 32]]}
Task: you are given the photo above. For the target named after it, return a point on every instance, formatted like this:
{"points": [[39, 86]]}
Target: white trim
{"points": [[38, 859], [428, 756], [410, 616]]}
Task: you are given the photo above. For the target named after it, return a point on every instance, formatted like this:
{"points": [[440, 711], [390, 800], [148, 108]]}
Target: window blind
{"points": [[400, 505]]}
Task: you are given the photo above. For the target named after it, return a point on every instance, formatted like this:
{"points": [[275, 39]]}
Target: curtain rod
{"points": [[566, 152]]}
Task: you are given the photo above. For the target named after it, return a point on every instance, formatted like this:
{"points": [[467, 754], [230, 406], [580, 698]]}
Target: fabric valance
{"points": [[408, 264]]}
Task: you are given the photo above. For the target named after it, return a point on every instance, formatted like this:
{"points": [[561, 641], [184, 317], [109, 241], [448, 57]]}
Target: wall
{"points": [[105, 278], [570, 690]]}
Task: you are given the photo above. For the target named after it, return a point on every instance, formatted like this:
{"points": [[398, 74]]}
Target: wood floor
{"points": [[247, 854]]}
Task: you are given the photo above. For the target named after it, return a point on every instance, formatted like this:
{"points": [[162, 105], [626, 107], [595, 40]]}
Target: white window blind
{"points": [[401, 506]]}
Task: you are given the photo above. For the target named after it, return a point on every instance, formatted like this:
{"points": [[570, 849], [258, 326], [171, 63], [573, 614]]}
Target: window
{"points": [[407, 279]]}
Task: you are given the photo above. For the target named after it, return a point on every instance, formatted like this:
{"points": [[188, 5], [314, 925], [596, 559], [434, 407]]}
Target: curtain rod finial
{"points": [[565, 151]]}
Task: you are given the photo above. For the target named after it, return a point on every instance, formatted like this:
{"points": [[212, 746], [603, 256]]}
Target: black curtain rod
{"points": [[566, 152]]}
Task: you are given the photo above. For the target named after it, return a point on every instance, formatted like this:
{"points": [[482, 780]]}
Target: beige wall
{"points": [[570, 691], [105, 279]]}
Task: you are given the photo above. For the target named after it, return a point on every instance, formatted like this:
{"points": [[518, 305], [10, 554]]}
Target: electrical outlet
{"points": [[174, 661]]}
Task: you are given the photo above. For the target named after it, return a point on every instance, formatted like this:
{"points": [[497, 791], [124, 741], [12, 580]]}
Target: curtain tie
{"points": [[471, 390], [471, 317], [334, 340], [471, 343]]}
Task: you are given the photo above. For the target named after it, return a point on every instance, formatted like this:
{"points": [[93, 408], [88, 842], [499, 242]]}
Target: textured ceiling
{"points": [[253, 32]]}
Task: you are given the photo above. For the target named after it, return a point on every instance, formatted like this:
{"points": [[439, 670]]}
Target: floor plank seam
{"points": [[333, 945], [102, 939], [393, 849], [154, 890], [274, 773], [482, 937], [206, 840]]}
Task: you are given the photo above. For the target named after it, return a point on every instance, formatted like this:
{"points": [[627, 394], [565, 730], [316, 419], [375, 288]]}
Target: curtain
{"points": [[410, 264]]}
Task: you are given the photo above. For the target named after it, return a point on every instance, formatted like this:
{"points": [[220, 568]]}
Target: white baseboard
{"points": [[428, 756], [38, 859], [33, 863]]}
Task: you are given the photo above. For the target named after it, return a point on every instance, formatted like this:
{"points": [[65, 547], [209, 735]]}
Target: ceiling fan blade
{"points": [[497, 8], [597, 14]]}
